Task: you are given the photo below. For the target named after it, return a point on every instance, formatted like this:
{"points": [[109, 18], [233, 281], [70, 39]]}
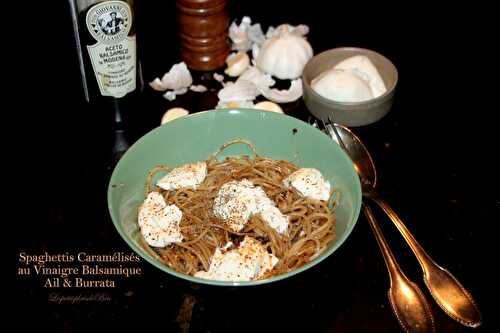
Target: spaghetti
{"points": [[311, 222]]}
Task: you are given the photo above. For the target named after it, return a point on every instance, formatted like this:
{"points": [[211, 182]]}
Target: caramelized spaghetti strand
{"points": [[151, 174], [232, 142], [202, 260], [311, 223], [197, 239]]}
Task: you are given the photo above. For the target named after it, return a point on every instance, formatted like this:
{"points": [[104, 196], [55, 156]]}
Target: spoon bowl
{"points": [[362, 160], [407, 300]]}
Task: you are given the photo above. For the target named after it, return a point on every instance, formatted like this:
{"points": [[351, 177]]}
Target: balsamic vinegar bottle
{"points": [[107, 53]]}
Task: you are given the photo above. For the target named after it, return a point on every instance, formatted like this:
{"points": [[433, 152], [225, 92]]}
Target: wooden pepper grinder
{"points": [[203, 28]]}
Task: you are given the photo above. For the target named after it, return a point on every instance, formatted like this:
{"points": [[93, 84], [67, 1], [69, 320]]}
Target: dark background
{"points": [[435, 153]]}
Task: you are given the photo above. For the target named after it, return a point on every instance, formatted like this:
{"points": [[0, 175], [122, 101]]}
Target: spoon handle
{"points": [[446, 290], [407, 300]]}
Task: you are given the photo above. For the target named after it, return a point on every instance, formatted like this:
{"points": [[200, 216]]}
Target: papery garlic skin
{"points": [[240, 90], [264, 82], [260, 79], [341, 86], [176, 78], [176, 81], [284, 55], [255, 53], [300, 30], [245, 35], [238, 34], [238, 94], [285, 96]]}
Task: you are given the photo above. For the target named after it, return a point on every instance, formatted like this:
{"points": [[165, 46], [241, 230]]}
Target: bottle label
{"points": [[113, 57]]}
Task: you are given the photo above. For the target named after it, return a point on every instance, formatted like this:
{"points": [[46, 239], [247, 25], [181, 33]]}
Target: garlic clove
{"points": [[237, 63], [198, 88], [269, 106], [235, 104], [172, 114], [285, 96]]}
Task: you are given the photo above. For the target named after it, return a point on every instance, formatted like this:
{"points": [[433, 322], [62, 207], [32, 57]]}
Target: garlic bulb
{"points": [[341, 86], [285, 54], [237, 63]]}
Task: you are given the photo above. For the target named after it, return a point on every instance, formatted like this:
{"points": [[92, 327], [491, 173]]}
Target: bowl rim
{"points": [[377, 100], [192, 279]]}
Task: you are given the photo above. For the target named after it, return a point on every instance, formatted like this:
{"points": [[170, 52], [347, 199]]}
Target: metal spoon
{"points": [[407, 300], [449, 294]]}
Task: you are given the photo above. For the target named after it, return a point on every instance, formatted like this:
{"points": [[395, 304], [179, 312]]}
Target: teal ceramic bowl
{"points": [[195, 137]]}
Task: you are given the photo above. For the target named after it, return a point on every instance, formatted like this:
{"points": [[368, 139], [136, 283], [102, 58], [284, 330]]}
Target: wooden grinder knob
{"points": [[203, 28]]}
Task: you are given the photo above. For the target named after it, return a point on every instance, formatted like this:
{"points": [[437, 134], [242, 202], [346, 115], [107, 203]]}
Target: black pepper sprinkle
{"points": [[294, 131]]}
